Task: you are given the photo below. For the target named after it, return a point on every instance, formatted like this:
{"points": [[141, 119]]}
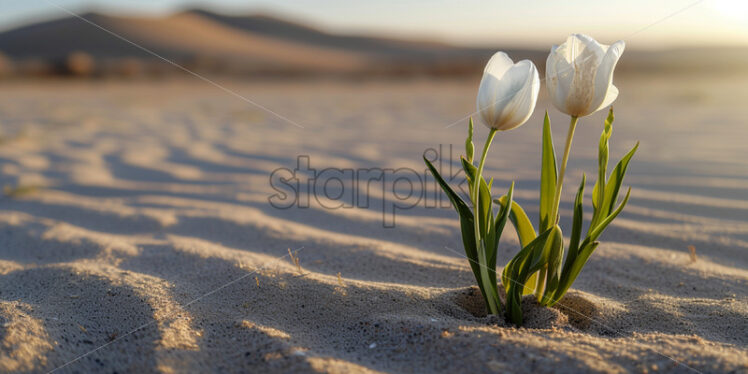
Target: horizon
{"points": [[710, 23]]}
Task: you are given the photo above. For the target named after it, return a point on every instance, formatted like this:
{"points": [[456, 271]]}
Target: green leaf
{"points": [[457, 202], [573, 268], [548, 177], [599, 209], [488, 225], [555, 254], [466, 225], [595, 233], [491, 243], [616, 179], [571, 271], [521, 222], [526, 234], [500, 223], [485, 197], [469, 146], [503, 214], [520, 270], [492, 296], [577, 221]]}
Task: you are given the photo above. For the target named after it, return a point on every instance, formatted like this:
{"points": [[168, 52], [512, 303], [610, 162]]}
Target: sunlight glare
{"points": [[736, 9]]}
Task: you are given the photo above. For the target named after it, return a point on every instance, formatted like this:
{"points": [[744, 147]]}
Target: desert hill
{"points": [[260, 44]]}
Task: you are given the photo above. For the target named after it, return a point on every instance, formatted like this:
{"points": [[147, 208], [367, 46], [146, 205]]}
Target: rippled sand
{"points": [[137, 236]]}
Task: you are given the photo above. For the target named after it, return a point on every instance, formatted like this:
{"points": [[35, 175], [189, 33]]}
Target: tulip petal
{"points": [[583, 45], [498, 65], [579, 72], [507, 93], [558, 78], [582, 94], [524, 81], [491, 96], [572, 67], [605, 92], [610, 97]]}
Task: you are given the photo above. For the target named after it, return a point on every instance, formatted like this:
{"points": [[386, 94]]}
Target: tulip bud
{"points": [[508, 92], [469, 146], [579, 75]]}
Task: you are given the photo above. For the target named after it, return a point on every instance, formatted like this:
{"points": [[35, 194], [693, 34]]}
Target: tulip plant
{"points": [[506, 99], [579, 82]]}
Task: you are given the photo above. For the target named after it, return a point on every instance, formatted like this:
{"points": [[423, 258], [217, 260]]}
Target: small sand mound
{"points": [[537, 316], [471, 300], [580, 311]]}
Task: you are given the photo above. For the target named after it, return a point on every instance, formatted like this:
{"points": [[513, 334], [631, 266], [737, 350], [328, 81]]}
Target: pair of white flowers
{"points": [[579, 78]]}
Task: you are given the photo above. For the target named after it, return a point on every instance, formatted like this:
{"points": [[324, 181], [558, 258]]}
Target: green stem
{"points": [[489, 289], [562, 171], [542, 273], [493, 305], [540, 283]]}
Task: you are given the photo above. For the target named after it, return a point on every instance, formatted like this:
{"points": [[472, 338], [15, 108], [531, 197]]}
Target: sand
{"points": [[136, 234]]}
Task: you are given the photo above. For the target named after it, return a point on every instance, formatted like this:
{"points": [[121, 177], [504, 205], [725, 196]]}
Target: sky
{"points": [[644, 24]]}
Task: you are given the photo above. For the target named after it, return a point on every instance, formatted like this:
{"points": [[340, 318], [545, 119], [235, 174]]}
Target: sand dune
{"points": [[225, 44], [202, 39], [283, 29], [148, 236], [180, 36], [208, 38]]}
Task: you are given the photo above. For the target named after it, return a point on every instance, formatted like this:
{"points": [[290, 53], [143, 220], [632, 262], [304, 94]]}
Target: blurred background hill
{"points": [[262, 45]]}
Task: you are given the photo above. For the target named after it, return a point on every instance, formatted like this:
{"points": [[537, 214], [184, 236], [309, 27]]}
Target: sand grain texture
{"points": [[149, 232]]}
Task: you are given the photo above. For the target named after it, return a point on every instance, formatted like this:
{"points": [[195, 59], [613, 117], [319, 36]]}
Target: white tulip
{"points": [[579, 75], [507, 92]]}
